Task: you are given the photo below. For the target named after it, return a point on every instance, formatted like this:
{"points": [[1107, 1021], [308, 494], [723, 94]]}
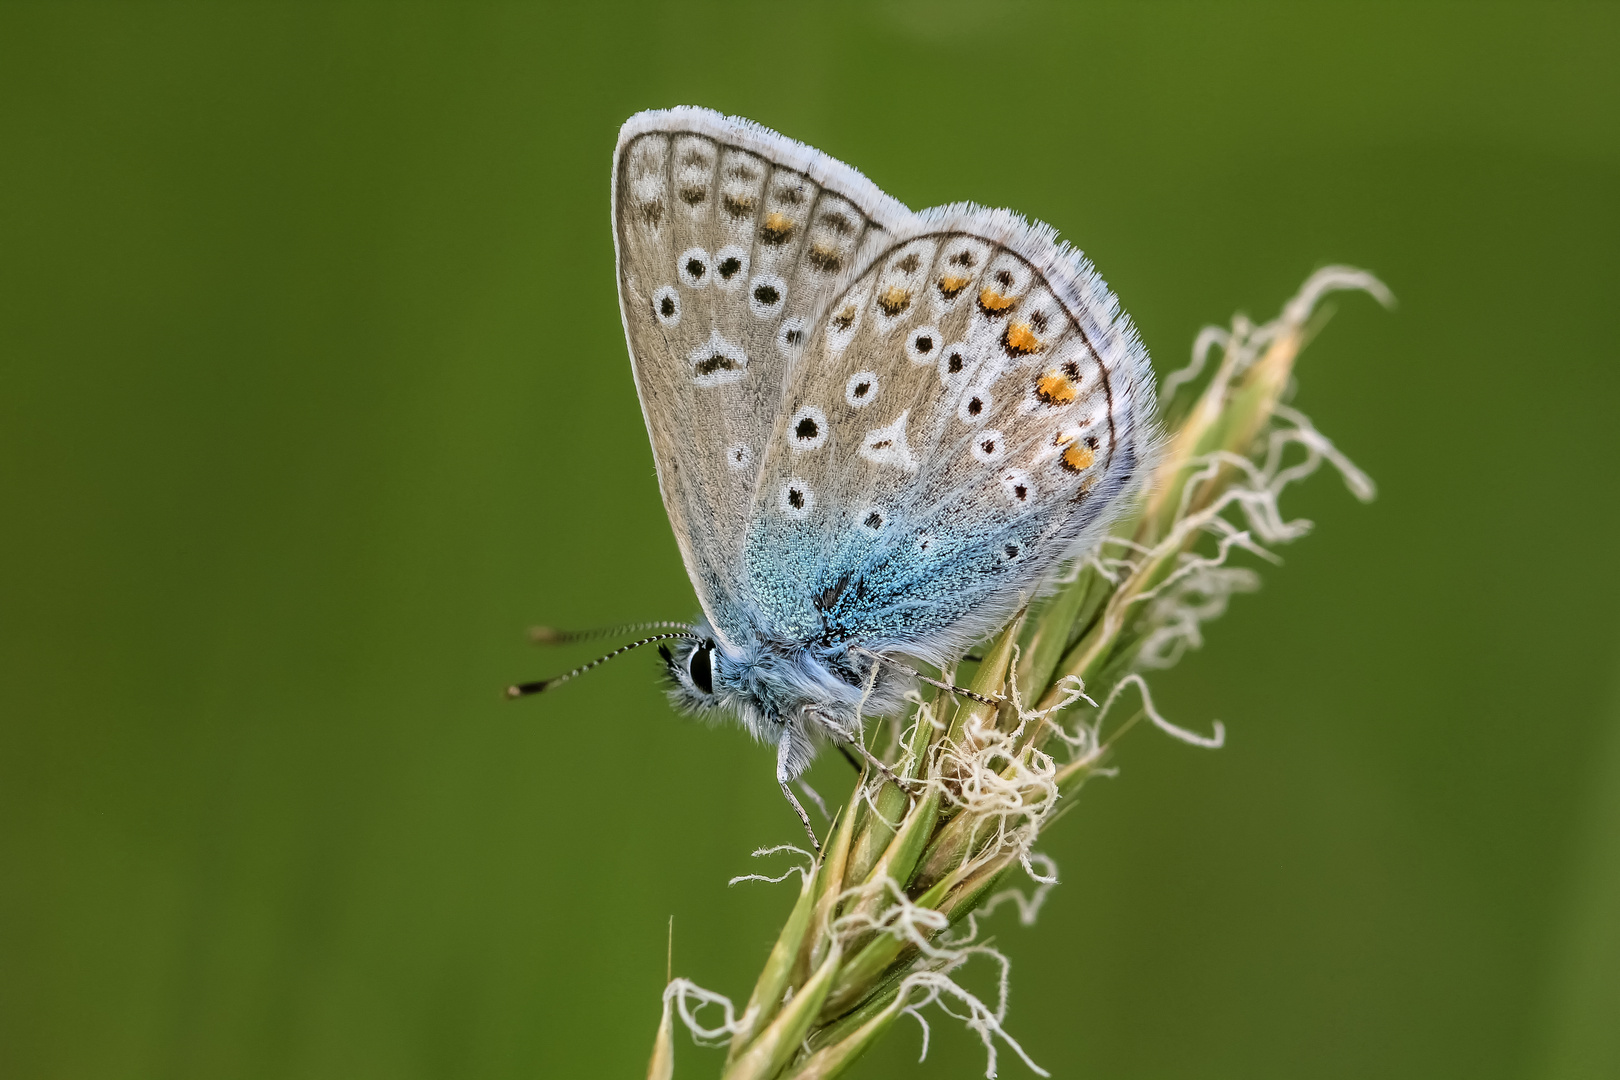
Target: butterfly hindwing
{"points": [[964, 416], [731, 241]]}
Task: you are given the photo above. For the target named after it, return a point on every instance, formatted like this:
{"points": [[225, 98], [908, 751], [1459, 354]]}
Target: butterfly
{"points": [[878, 432]]}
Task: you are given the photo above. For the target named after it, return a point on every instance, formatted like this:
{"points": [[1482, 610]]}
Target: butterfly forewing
{"points": [[967, 412], [730, 240]]}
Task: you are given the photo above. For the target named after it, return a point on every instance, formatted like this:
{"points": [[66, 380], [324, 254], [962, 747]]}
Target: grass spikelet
{"points": [[891, 908]]}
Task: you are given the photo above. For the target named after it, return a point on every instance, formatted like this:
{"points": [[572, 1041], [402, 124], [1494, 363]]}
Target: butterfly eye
{"points": [[700, 667]]}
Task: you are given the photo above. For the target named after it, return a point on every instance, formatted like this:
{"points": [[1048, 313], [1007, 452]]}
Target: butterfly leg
{"points": [[960, 691], [815, 796], [844, 742], [787, 792], [887, 773]]}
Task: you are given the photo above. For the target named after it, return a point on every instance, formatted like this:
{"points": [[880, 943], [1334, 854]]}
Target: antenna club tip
{"points": [[525, 689], [546, 635]]}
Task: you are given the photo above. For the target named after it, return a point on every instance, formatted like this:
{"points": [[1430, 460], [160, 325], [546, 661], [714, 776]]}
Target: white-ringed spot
{"points": [[666, 306], [766, 295], [795, 499], [887, 445], [807, 430], [790, 337], [717, 361], [954, 366], [1078, 455], [922, 345], [893, 301], [975, 407], [693, 268], [731, 266], [872, 521], [989, 446], [844, 321], [1016, 485], [862, 389], [739, 457]]}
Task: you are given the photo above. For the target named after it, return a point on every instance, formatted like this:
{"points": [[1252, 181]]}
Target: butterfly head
{"points": [[771, 685], [691, 667]]}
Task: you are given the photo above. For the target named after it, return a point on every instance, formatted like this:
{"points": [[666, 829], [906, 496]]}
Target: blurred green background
{"points": [[313, 395]]}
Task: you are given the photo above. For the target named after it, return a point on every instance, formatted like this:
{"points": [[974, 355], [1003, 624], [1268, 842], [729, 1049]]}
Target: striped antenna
{"points": [[525, 689], [550, 635]]}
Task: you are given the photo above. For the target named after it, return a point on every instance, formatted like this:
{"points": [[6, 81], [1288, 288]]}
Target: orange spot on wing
{"points": [[1021, 340], [894, 300], [777, 228], [1078, 457], [825, 258], [994, 303], [951, 284]]}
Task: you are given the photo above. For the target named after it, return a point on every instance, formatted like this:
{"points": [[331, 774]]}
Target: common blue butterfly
{"points": [[878, 432]]}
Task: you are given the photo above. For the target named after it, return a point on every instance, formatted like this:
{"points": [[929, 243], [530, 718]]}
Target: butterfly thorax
{"points": [[782, 689]]}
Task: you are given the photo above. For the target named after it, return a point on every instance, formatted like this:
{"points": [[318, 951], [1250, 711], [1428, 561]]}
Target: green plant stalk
{"points": [[839, 1055], [780, 1039], [773, 980], [891, 804], [662, 1064], [863, 971], [1211, 426], [830, 885]]}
